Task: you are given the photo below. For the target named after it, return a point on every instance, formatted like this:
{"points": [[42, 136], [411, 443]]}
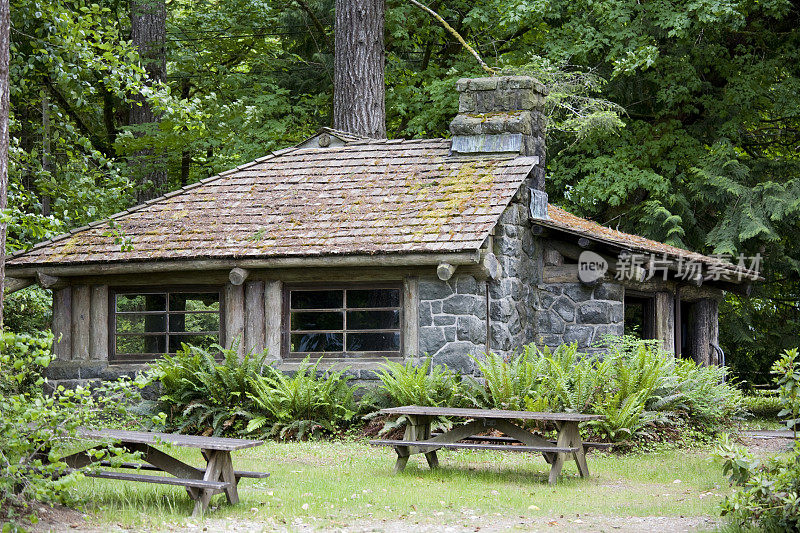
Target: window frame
{"points": [[648, 312], [167, 290], [344, 355]]}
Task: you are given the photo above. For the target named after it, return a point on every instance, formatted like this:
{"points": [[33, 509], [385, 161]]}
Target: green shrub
{"points": [[305, 404], [407, 384], [763, 404], [29, 310], [787, 371], [203, 394], [634, 384], [215, 392], [768, 496], [36, 425], [507, 382]]}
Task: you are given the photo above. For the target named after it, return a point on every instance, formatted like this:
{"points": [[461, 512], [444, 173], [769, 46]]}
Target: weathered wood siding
{"points": [[81, 318], [254, 310], [234, 316], [62, 323]]}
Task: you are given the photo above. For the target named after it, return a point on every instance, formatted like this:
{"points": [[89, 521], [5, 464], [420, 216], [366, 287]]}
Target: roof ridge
{"points": [[138, 207]]}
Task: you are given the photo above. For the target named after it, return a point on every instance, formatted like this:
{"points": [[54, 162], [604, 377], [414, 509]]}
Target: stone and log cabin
{"points": [[358, 250]]}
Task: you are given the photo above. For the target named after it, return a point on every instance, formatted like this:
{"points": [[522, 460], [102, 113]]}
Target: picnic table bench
{"points": [[201, 483], [418, 438]]}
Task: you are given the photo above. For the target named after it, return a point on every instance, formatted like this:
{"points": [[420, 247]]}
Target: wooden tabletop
{"points": [[489, 413], [187, 441]]}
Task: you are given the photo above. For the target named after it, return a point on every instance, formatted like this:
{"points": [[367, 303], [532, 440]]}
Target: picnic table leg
{"points": [[232, 491], [568, 436], [424, 433], [168, 464], [403, 452], [213, 471], [572, 437]]}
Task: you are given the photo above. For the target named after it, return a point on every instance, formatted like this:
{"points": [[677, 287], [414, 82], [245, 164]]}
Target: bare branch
{"points": [[448, 27]]}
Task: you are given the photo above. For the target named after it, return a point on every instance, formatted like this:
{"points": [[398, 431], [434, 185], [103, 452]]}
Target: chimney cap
{"points": [[500, 82]]}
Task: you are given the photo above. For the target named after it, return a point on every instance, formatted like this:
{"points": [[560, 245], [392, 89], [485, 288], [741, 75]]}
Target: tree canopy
{"points": [[676, 120]]}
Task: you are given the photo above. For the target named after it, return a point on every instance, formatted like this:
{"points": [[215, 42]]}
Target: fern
{"points": [[407, 384], [204, 390], [308, 403]]}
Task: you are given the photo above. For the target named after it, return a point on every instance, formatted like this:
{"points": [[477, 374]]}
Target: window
{"points": [[351, 321], [146, 324], [639, 315]]}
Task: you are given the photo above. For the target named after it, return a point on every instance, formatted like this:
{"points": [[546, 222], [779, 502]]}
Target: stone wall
{"points": [[573, 312], [453, 314], [452, 320], [512, 303]]}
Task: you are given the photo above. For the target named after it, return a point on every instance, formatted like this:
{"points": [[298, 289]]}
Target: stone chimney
{"points": [[501, 116]]}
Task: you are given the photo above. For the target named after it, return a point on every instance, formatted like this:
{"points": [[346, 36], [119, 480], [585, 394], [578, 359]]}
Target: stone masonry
{"points": [[452, 321], [502, 115], [572, 312]]}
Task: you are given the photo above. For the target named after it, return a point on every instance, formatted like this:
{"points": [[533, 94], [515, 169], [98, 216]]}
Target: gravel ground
{"points": [[65, 520]]}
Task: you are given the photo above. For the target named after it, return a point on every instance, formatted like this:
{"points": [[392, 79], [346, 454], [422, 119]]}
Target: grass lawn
{"points": [[330, 482]]}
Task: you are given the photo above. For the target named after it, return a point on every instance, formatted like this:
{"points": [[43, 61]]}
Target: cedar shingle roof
{"points": [[362, 198], [565, 221]]}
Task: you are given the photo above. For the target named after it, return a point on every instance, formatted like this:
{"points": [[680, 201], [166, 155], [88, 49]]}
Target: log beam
{"points": [[49, 282], [445, 271], [238, 275], [14, 284], [190, 265]]}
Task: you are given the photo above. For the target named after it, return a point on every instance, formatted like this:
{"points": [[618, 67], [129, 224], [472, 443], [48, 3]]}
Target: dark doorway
{"points": [[639, 315], [687, 332]]}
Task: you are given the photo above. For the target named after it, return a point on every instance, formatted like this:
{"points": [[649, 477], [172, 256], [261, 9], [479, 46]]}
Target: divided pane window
{"points": [[343, 322], [148, 324]]}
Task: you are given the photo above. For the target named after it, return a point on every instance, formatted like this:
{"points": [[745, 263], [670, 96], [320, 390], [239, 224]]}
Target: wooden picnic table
{"points": [[201, 483], [418, 439]]}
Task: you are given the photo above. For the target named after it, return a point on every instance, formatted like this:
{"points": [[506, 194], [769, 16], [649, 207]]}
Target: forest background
{"points": [[677, 120]]}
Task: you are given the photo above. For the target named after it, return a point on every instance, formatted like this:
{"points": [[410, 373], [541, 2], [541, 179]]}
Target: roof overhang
{"points": [[588, 241], [29, 273]]}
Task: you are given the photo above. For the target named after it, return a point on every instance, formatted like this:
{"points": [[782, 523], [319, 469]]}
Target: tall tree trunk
{"points": [[5, 47], [149, 33], [358, 86]]}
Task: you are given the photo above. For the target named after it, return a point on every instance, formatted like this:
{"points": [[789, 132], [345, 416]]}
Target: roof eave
{"points": [[469, 257], [747, 278]]}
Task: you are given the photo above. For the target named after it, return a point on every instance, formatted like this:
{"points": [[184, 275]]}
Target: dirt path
{"points": [[66, 520]]}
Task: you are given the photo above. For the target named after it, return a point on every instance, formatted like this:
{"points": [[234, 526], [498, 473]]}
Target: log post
{"points": [[81, 318], [273, 311], [234, 317], [706, 331], [410, 317], [254, 324], [98, 333], [62, 324], [665, 320]]}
